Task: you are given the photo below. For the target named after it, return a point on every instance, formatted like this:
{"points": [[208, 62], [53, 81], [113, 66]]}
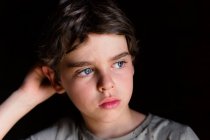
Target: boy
{"points": [[89, 55]]}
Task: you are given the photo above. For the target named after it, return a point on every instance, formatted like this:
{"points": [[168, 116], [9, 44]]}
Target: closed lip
{"points": [[108, 100]]}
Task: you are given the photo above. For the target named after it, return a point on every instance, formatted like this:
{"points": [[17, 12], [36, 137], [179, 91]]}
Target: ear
{"points": [[50, 74]]}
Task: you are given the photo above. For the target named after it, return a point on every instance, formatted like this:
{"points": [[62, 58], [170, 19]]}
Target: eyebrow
{"points": [[87, 63], [120, 55], [78, 64]]}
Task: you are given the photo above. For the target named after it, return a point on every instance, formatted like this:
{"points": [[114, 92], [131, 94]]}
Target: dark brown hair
{"points": [[75, 19]]}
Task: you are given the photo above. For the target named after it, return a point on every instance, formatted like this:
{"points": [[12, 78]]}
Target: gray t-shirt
{"points": [[152, 128]]}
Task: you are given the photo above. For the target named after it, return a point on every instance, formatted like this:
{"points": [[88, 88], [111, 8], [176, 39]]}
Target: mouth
{"points": [[109, 103]]}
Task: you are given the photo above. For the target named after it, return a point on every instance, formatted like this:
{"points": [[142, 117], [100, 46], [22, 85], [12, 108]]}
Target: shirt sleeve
{"points": [[189, 134]]}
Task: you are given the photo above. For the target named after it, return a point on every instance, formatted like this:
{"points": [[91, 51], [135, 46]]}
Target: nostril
{"points": [[105, 82], [105, 89]]}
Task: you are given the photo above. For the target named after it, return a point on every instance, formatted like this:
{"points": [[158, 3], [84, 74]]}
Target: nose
{"points": [[105, 82]]}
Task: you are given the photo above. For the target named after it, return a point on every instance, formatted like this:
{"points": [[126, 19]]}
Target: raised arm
{"points": [[32, 92]]}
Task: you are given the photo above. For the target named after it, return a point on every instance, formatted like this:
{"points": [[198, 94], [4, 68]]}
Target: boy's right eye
{"points": [[85, 72]]}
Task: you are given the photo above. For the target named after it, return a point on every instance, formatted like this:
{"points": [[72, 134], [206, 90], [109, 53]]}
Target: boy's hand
{"points": [[36, 87], [34, 90]]}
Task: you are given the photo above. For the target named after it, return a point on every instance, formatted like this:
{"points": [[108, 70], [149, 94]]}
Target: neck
{"points": [[122, 125]]}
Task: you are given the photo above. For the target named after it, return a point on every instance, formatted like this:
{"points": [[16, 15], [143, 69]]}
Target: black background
{"points": [[172, 77]]}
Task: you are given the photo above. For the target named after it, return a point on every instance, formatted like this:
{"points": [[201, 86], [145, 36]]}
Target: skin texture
{"points": [[107, 79], [98, 78]]}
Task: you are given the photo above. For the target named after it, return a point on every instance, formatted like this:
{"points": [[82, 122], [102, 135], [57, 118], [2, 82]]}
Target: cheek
{"points": [[83, 96], [79, 91], [125, 81], [127, 84], [126, 76], [127, 88]]}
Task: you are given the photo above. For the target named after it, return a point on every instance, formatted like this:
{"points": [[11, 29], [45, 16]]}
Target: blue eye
{"points": [[85, 72], [119, 64]]}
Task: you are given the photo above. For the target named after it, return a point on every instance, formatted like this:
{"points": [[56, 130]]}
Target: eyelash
{"points": [[81, 73], [122, 63]]}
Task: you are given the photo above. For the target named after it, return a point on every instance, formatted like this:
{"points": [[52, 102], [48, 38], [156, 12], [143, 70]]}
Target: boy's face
{"points": [[98, 77]]}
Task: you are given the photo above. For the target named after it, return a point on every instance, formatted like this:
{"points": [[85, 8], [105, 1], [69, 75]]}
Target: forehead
{"points": [[99, 46]]}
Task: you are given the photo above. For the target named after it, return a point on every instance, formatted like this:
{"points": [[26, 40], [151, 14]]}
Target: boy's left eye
{"points": [[119, 64]]}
